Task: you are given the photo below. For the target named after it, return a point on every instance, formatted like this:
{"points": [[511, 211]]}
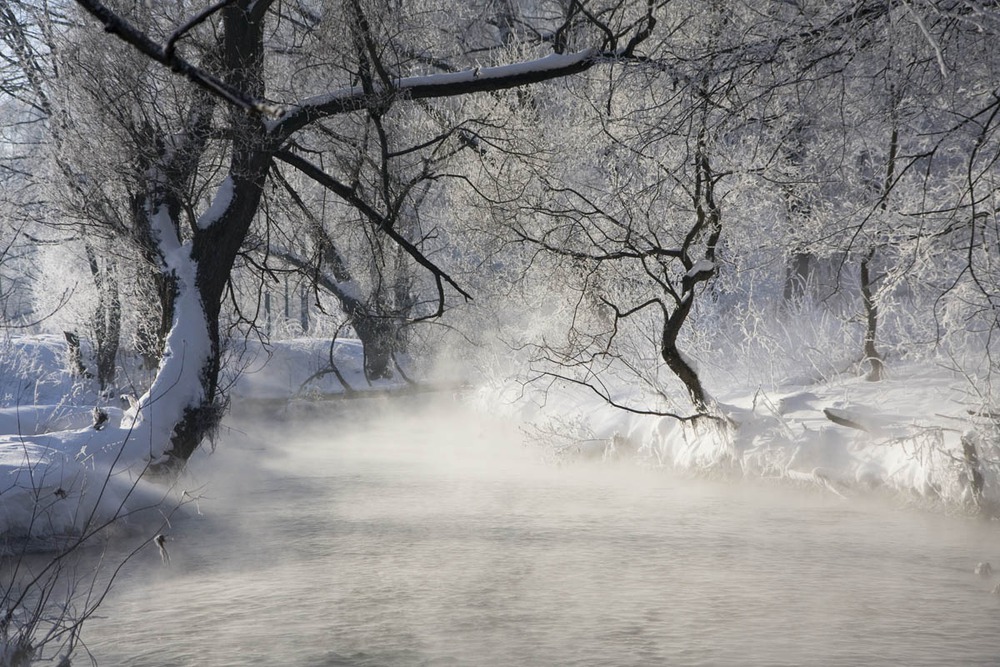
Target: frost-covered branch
{"points": [[451, 84], [378, 220], [603, 393], [191, 24]]}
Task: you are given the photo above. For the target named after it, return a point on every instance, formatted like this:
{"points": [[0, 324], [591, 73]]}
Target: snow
{"points": [[910, 443], [701, 266], [60, 476], [223, 198], [299, 368], [187, 349], [550, 62], [165, 233], [67, 482], [351, 290]]}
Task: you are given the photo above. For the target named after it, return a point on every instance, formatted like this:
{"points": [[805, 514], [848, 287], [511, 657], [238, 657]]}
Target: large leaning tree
{"points": [[266, 73]]}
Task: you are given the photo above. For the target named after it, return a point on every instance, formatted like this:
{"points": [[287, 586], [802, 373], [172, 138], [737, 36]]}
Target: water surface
{"points": [[402, 537]]}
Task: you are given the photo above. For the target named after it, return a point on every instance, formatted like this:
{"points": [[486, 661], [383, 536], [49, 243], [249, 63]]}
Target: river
{"points": [[434, 537]]}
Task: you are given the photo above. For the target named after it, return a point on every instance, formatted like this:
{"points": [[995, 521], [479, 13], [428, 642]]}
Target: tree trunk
{"points": [[183, 406], [871, 320], [304, 309], [75, 359], [106, 319], [976, 480], [798, 210], [217, 241], [676, 363], [376, 326], [797, 277], [378, 338], [675, 360], [871, 354]]}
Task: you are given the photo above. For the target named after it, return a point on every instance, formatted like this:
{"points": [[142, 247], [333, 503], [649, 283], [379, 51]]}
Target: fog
{"points": [[420, 533]]}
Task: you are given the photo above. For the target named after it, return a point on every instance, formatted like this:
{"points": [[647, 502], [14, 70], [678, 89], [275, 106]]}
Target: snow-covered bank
{"points": [[913, 433], [67, 464], [917, 433], [64, 474]]}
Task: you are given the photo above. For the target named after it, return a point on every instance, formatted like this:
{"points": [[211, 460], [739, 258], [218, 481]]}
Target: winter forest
{"points": [[752, 237]]}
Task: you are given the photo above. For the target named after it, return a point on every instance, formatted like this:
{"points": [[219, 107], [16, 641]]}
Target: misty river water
{"points": [[403, 537]]}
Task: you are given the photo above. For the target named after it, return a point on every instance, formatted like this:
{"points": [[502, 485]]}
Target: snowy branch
{"points": [[478, 80]]}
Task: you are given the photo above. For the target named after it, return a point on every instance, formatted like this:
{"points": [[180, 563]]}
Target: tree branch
{"points": [[380, 222], [196, 20], [166, 56], [610, 401], [485, 79]]}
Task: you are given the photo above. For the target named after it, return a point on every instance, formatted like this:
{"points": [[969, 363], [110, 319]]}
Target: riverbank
{"points": [[920, 433]]}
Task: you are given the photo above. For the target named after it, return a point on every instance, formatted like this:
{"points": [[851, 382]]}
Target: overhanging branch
{"points": [[478, 80], [610, 401]]}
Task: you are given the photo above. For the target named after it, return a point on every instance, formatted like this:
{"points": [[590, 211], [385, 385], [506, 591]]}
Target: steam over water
{"points": [[400, 537]]}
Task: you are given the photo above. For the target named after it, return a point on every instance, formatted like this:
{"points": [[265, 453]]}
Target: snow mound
{"points": [[915, 434], [63, 477]]}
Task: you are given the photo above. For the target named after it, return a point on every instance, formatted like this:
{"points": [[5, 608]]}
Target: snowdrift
{"points": [[917, 434]]}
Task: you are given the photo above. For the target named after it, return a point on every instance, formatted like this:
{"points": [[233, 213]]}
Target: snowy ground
{"points": [[912, 434], [915, 434], [62, 474]]}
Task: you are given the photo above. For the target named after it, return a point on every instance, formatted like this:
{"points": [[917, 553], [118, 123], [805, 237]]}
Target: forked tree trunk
{"points": [[183, 406]]}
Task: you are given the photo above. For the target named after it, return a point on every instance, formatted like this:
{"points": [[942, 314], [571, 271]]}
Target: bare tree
{"points": [[325, 99], [198, 261]]}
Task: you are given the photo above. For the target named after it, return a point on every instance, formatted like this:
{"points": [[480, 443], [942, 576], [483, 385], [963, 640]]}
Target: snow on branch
{"points": [[450, 84], [355, 98]]}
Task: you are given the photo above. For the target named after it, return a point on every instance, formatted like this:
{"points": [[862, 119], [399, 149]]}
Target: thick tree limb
{"points": [[193, 22], [165, 55], [356, 98], [478, 80]]}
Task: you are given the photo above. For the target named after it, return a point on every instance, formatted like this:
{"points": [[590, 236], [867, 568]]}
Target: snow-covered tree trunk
{"points": [[166, 414], [203, 265]]}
